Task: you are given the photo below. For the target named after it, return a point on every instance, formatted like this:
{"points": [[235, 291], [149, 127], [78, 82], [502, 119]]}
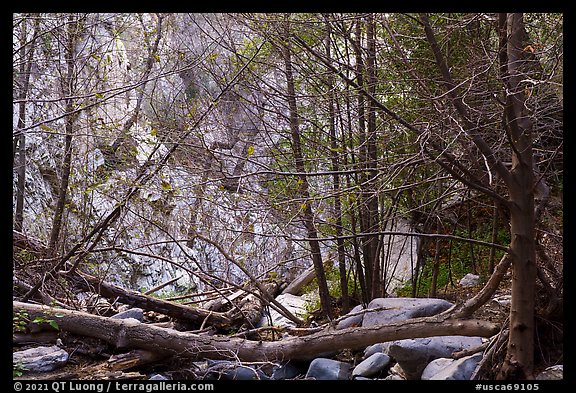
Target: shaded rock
{"points": [[158, 377], [136, 313], [449, 369], [232, 371], [400, 309], [372, 365], [470, 280], [40, 359], [552, 373], [285, 371], [328, 369], [413, 355], [355, 320]]}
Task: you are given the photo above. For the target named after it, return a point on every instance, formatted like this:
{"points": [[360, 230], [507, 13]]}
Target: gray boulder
{"points": [[355, 320], [552, 373], [285, 371], [400, 309], [470, 280], [232, 371], [375, 348], [328, 369], [136, 313], [449, 369], [372, 365], [413, 355], [40, 359]]}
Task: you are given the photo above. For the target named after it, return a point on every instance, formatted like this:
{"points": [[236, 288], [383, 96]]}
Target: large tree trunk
{"points": [[519, 362], [129, 333]]}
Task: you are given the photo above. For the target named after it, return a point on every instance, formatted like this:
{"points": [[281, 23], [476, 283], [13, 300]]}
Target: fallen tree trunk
{"points": [[130, 333], [195, 315]]}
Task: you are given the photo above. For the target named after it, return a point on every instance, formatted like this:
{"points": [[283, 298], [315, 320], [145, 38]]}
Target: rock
{"points": [[375, 348], [328, 369], [285, 371], [40, 359], [295, 304], [400, 309], [434, 367], [232, 371], [158, 377], [450, 369], [503, 300], [355, 320], [552, 373], [372, 365], [413, 355], [136, 313], [470, 280]]}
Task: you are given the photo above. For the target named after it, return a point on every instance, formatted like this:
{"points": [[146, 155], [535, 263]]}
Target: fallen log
{"points": [[197, 316], [130, 334]]}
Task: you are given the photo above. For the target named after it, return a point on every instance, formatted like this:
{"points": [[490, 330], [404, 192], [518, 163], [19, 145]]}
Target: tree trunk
{"points": [[519, 361], [336, 181], [25, 68], [129, 333], [308, 215], [68, 88]]}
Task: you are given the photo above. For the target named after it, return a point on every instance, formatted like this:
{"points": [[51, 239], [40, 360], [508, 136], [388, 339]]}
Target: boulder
{"points": [[470, 280], [375, 348], [355, 320], [552, 373], [328, 369], [136, 313], [285, 371], [40, 359], [400, 309], [232, 371], [449, 369], [413, 355], [372, 365]]}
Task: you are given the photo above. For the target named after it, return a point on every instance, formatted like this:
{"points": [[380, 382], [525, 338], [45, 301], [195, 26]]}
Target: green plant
{"points": [[21, 320], [18, 370]]}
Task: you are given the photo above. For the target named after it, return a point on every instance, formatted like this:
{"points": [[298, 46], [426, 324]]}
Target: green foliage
{"points": [[21, 320], [18, 370]]}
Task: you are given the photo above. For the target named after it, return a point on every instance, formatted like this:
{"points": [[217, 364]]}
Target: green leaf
{"points": [[54, 324], [250, 150], [165, 185], [153, 132], [44, 127], [98, 95]]}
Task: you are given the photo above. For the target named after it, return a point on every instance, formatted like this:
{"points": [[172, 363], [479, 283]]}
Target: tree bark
{"points": [[129, 333], [137, 299], [307, 214], [519, 361]]}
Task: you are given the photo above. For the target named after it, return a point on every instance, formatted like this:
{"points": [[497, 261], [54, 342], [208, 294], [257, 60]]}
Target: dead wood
{"points": [[131, 334], [197, 316]]}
